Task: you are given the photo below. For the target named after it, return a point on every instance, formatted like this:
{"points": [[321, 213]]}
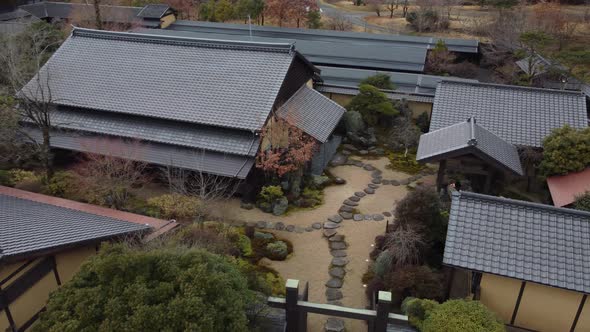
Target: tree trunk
{"points": [[46, 152], [97, 14], [298, 21]]}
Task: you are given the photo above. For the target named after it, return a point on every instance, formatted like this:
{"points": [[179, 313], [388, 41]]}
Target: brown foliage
{"points": [[415, 281]]}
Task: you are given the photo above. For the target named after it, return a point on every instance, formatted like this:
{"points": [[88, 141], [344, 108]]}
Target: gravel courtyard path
{"points": [[312, 259]]}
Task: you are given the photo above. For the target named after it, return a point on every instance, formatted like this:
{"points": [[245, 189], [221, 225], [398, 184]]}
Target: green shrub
{"points": [[209, 238], [416, 310], [122, 289], [176, 206], [312, 197], [423, 122], [415, 281], [372, 104], [261, 278], [269, 194], [381, 81], [20, 175], [461, 315], [244, 245], [582, 202], [65, 184], [383, 264], [566, 150], [5, 178], [277, 251], [404, 163]]}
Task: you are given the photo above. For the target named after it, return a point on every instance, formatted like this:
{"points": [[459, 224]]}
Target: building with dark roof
{"points": [[43, 242], [519, 115], [529, 262], [197, 104]]}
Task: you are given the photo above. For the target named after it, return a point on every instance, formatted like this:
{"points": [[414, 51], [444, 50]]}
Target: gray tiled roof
{"points": [[313, 113], [519, 115], [522, 240], [586, 90], [468, 137], [63, 10], [394, 95], [359, 39], [381, 56], [225, 84], [238, 142], [29, 226], [229, 165], [404, 82], [153, 11]]}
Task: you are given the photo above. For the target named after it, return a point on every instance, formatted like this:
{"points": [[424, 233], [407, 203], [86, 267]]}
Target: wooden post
{"points": [[442, 166], [302, 313], [383, 309], [291, 305]]}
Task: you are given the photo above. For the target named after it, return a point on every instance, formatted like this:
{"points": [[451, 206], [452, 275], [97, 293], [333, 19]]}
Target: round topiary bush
{"points": [[461, 315], [122, 289], [277, 251]]}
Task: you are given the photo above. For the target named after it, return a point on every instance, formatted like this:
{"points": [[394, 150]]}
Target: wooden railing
{"points": [[297, 307]]}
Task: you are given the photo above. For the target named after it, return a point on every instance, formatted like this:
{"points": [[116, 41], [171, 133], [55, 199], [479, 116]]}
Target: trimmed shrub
{"points": [[404, 162], [269, 194], [211, 239], [415, 281], [372, 104], [423, 122], [64, 184], [461, 315], [244, 245], [176, 206], [122, 289], [20, 175], [383, 264], [416, 309], [381, 81], [277, 251], [5, 178], [566, 150]]}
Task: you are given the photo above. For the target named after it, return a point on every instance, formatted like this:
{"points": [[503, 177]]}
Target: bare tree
{"points": [[22, 57], [405, 245], [339, 22]]}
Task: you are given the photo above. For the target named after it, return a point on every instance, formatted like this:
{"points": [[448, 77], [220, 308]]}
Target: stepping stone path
{"points": [[279, 226], [290, 228], [336, 242]]}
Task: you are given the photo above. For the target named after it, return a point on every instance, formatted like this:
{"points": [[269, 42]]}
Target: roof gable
{"points": [[210, 82], [519, 115], [522, 240], [468, 137]]}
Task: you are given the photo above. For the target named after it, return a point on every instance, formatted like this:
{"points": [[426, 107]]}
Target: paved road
{"points": [[356, 17]]}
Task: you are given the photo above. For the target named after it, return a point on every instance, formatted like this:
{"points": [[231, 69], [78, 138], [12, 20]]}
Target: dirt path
{"points": [[312, 257]]}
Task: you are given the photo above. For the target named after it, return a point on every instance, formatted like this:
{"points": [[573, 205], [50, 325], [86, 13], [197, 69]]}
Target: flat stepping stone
{"points": [[346, 215], [338, 245], [337, 238], [368, 217], [386, 182], [290, 228], [387, 214], [357, 163], [329, 233], [333, 294], [404, 182], [376, 181], [358, 217], [335, 218], [339, 261], [261, 224], [334, 283], [394, 182], [330, 225], [338, 253], [372, 186], [370, 191], [378, 217], [270, 224], [334, 325], [299, 229], [354, 198], [413, 178], [369, 167], [350, 203], [346, 208], [376, 173], [316, 225], [309, 229], [337, 272], [279, 226], [360, 194]]}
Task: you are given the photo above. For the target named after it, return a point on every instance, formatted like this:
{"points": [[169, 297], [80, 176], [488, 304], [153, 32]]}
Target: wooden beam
{"points": [[579, 312], [442, 166], [515, 312], [383, 309]]}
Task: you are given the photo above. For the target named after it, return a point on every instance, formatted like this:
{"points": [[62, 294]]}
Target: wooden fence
{"points": [[297, 307]]}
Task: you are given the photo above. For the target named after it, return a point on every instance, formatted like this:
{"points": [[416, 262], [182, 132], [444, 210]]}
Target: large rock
{"points": [[334, 325], [337, 272], [353, 122], [334, 283], [280, 206], [339, 261], [333, 294], [346, 215], [320, 180], [330, 225]]}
